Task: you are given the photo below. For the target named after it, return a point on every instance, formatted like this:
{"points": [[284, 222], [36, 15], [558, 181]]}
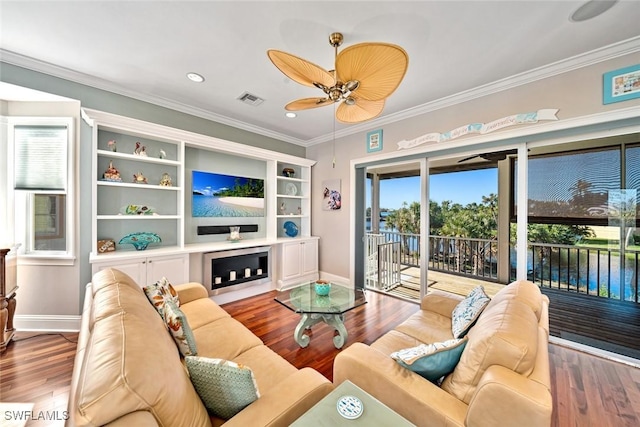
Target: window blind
{"points": [[40, 157]]}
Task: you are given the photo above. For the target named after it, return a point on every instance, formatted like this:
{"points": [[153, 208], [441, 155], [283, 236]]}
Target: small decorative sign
{"points": [[374, 141], [621, 85], [481, 128], [106, 245]]}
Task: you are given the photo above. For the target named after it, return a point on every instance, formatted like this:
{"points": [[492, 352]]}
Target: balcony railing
{"points": [[469, 257], [601, 272]]}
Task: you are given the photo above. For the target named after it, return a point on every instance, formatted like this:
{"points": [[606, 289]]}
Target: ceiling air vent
{"points": [[250, 99]]}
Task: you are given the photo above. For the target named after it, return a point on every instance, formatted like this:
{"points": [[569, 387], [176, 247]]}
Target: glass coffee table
{"points": [[315, 308]]}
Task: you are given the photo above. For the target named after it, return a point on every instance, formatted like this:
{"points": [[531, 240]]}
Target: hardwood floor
{"points": [[587, 390]]}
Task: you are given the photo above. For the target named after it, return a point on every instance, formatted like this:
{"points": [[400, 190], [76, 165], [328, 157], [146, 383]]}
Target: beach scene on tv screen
{"points": [[220, 195]]}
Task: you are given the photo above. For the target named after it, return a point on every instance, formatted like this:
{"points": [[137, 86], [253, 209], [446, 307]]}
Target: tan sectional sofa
{"points": [[502, 378], [128, 371]]}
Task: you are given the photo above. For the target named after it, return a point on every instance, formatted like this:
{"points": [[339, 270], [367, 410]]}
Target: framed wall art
{"points": [[621, 85], [374, 141]]}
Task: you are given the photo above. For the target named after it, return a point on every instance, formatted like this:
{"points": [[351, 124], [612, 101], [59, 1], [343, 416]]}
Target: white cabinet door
{"points": [[291, 261], [309, 250], [298, 262], [135, 268], [145, 271], [174, 268]]}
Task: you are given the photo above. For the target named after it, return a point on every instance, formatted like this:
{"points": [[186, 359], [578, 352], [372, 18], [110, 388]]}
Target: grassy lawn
{"points": [[604, 244]]}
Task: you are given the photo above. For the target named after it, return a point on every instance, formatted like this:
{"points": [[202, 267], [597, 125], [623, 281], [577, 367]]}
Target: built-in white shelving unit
{"points": [[287, 194]]}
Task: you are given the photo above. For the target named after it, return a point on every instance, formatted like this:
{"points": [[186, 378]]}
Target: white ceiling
{"points": [[457, 50]]}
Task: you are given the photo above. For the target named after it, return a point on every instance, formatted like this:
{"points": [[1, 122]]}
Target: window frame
{"points": [[23, 222]]}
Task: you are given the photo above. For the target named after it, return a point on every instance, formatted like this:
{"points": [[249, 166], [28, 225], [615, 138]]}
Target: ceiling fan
{"points": [[492, 157], [364, 75]]}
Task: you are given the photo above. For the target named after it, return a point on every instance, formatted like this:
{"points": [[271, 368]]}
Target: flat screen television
{"points": [[217, 195]]}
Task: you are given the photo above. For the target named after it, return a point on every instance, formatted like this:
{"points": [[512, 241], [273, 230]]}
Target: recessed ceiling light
{"points": [[290, 114], [195, 77], [591, 9]]}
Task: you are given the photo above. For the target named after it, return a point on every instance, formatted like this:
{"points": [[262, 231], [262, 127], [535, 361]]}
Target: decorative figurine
{"points": [[166, 180], [283, 209], [140, 150], [162, 154], [288, 172], [112, 145], [111, 174], [138, 178]]}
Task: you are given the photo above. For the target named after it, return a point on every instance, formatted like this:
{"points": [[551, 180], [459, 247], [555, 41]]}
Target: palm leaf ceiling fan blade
{"points": [[378, 67], [306, 103], [300, 70], [360, 111]]}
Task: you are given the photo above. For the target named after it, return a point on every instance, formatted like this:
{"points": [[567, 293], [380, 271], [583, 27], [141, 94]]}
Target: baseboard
{"points": [[47, 323], [334, 278]]}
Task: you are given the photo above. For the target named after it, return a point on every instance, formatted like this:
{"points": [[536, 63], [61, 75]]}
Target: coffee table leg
{"points": [[306, 322], [337, 322]]}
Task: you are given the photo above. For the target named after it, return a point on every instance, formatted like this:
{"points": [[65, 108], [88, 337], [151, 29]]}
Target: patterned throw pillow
{"points": [[467, 312], [180, 329], [224, 387], [432, 361], [160, 292]]}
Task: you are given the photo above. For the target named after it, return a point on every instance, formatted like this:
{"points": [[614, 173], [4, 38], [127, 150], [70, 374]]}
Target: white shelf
{"points": [[284, 178], [293, 216], [146, 159], [137, 217], [134, 185], [286, 196]]}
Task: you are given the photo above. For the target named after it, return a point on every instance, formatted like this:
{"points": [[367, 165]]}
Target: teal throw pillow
{"points": [[465, 314], [180, 329], [224, 387], [432, 361]]}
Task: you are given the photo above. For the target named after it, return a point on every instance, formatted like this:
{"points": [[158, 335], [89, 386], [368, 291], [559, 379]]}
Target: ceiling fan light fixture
{"points": [[365, 74]]}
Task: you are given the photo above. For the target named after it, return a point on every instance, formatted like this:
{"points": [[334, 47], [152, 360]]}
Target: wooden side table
{"points": [[8, 288]]}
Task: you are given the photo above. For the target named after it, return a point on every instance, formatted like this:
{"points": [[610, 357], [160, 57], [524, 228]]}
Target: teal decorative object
{"points": [[140, 240], [323, 287]]}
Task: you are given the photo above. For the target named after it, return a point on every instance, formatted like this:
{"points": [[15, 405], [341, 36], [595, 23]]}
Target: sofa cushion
{"points": [[225, 387], [524, 291], [161, 292], [467, 311], [130, 361], [225, 338], [427, 326], [505, 335], [431, 361], [179, 329]]}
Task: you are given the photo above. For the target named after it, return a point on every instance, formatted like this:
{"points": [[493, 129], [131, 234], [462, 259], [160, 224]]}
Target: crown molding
{"points": [[98, 83], [606, 53]]}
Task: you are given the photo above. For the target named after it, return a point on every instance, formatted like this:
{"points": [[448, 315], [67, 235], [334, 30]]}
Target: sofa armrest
{"points": [[286, 402], [190, 292], [504, 397], [440, 302], [405, 392]]}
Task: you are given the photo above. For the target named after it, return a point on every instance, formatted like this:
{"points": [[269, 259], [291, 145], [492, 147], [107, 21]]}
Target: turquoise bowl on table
{"points": [[323, 287]]}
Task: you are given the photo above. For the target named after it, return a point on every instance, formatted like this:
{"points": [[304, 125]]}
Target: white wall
{"points": [[48, 296], [577, 93]]}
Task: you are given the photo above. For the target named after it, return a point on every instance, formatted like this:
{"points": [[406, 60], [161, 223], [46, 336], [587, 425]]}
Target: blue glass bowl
{"points": [[323, 289]]}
